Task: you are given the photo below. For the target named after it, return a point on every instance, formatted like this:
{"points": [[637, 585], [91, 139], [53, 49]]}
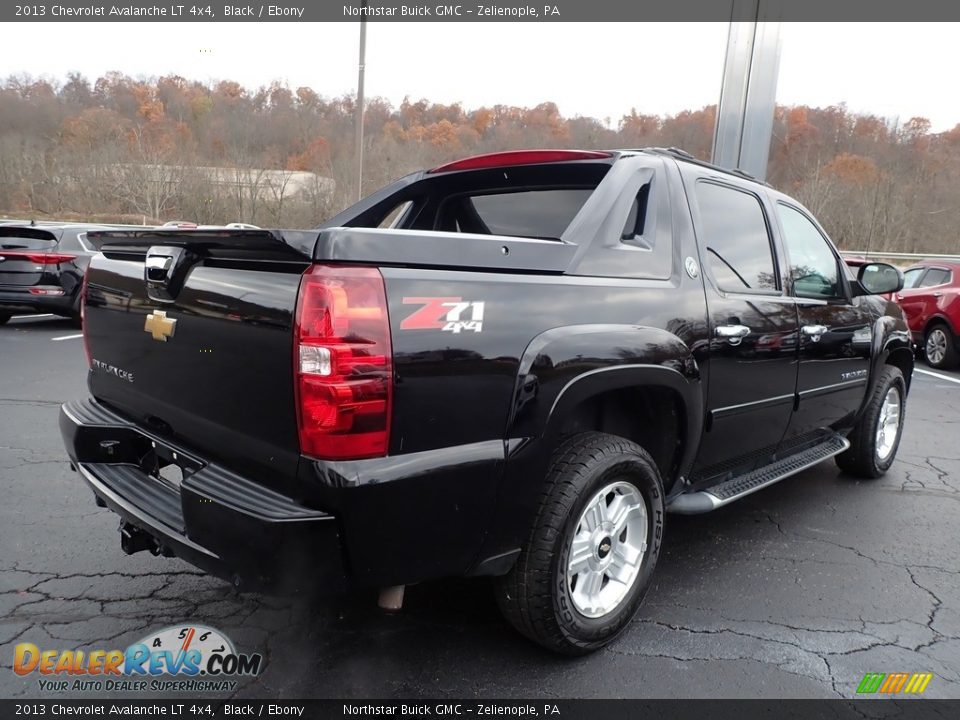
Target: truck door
{"points": [[836, 329], [753, 331]]}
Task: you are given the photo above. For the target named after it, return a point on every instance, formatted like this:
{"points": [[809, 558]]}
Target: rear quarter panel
{"points": [[544, 344]]}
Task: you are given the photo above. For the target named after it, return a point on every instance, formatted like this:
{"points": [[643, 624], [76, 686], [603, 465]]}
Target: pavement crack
{"points": [[932, 616]]}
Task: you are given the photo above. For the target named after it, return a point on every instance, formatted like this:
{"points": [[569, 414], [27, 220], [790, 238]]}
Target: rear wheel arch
{"points": [[653, 406], [941, 320]]}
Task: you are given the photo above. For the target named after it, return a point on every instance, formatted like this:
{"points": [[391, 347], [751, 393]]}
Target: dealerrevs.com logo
{"points": [[893, 683], [188, 658]]}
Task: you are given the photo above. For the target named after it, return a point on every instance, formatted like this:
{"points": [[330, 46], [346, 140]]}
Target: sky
{"points": [[896, 70]]}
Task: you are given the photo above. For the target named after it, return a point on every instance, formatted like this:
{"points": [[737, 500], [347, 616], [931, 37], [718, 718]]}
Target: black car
{"points": [[42, 267]]}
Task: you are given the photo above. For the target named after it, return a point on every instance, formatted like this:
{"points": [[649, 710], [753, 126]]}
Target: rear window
{"points": [[531, 213], [26, 239], [534, 201]]}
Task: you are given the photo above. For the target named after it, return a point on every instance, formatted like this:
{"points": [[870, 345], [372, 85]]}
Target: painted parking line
{"points": [[939, 376], [67, 337], [30, 317]]}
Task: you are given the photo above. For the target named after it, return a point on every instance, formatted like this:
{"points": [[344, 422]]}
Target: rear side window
{"points": [[26, 239], [734, 236], [935, 276], [70, 242], [633, 229], [532, 213], [393, 218]]}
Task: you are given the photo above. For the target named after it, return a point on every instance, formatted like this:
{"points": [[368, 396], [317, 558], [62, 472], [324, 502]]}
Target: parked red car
{"points": [[931, 301]]}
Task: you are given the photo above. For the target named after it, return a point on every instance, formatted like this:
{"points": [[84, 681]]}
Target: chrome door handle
{"points": [[814, 331], [733, 334], [938, 294]]}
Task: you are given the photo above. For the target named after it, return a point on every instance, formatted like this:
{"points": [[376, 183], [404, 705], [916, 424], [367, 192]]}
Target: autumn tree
{"points": [[175, 148]]}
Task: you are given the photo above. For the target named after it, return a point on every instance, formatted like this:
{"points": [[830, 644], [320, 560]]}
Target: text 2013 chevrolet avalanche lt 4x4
{"points": [[512, 365]]}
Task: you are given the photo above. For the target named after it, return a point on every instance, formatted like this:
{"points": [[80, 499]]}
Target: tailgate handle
{"points": [[165, 270], [158, 268]]}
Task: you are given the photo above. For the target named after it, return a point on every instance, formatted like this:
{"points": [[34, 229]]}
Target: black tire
{"points": [[940, 335], [862, 458], [535, 596], [5, 318]]}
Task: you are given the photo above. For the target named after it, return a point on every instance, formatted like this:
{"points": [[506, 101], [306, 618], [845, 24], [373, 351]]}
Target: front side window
{"points": [[935, 276], [813, 266], [911, 277], [735, 239]]}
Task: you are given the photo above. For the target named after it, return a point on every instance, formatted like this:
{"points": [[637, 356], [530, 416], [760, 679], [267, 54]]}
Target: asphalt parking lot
{"points": [[796, 591]]}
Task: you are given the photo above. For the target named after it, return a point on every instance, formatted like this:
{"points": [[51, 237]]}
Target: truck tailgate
{"points": [[205, 357]]}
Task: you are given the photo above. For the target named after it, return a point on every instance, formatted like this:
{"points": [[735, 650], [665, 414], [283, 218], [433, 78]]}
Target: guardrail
{"points": [[898, 256]]}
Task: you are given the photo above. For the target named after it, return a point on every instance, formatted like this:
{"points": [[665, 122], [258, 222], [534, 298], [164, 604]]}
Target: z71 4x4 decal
{"points": [[450, 314]]}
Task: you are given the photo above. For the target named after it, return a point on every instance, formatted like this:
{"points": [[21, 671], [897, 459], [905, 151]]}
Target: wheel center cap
{"points": [[603, 549]]}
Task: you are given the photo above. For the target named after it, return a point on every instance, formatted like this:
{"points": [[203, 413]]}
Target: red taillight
{"points": [[83, 317], [40, 258], [342, 363], [521, 157]]}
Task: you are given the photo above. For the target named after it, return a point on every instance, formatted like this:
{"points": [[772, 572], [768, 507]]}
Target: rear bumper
{"points": [[230, 526], [22, 301]]}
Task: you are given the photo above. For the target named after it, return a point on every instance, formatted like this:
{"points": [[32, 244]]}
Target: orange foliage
{"points": [[482, 120], [853, 170], [91, 128], [443, 134], [316, 158]]}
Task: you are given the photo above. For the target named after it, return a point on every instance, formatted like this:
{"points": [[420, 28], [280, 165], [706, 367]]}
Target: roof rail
{"points": [[680, 154]]}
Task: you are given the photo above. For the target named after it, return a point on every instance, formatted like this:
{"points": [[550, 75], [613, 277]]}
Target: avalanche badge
{"points": [[160, 326]]}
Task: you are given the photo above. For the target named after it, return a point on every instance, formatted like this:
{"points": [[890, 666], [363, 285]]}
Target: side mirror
{"points": [[879, 278]]}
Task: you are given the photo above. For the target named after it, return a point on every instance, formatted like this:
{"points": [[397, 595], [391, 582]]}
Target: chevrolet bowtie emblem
{"points": [[159, 325]]}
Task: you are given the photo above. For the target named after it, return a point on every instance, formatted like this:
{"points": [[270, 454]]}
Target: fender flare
{"points": [[890, 337], [617, 377], [554, 377]]}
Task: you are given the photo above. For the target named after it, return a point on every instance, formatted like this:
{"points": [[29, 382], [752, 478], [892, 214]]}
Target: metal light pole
{"points": [[748, 94], [358, 119]]}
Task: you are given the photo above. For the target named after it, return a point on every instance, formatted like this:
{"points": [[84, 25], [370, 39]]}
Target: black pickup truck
{"points": [[512, 365]]}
